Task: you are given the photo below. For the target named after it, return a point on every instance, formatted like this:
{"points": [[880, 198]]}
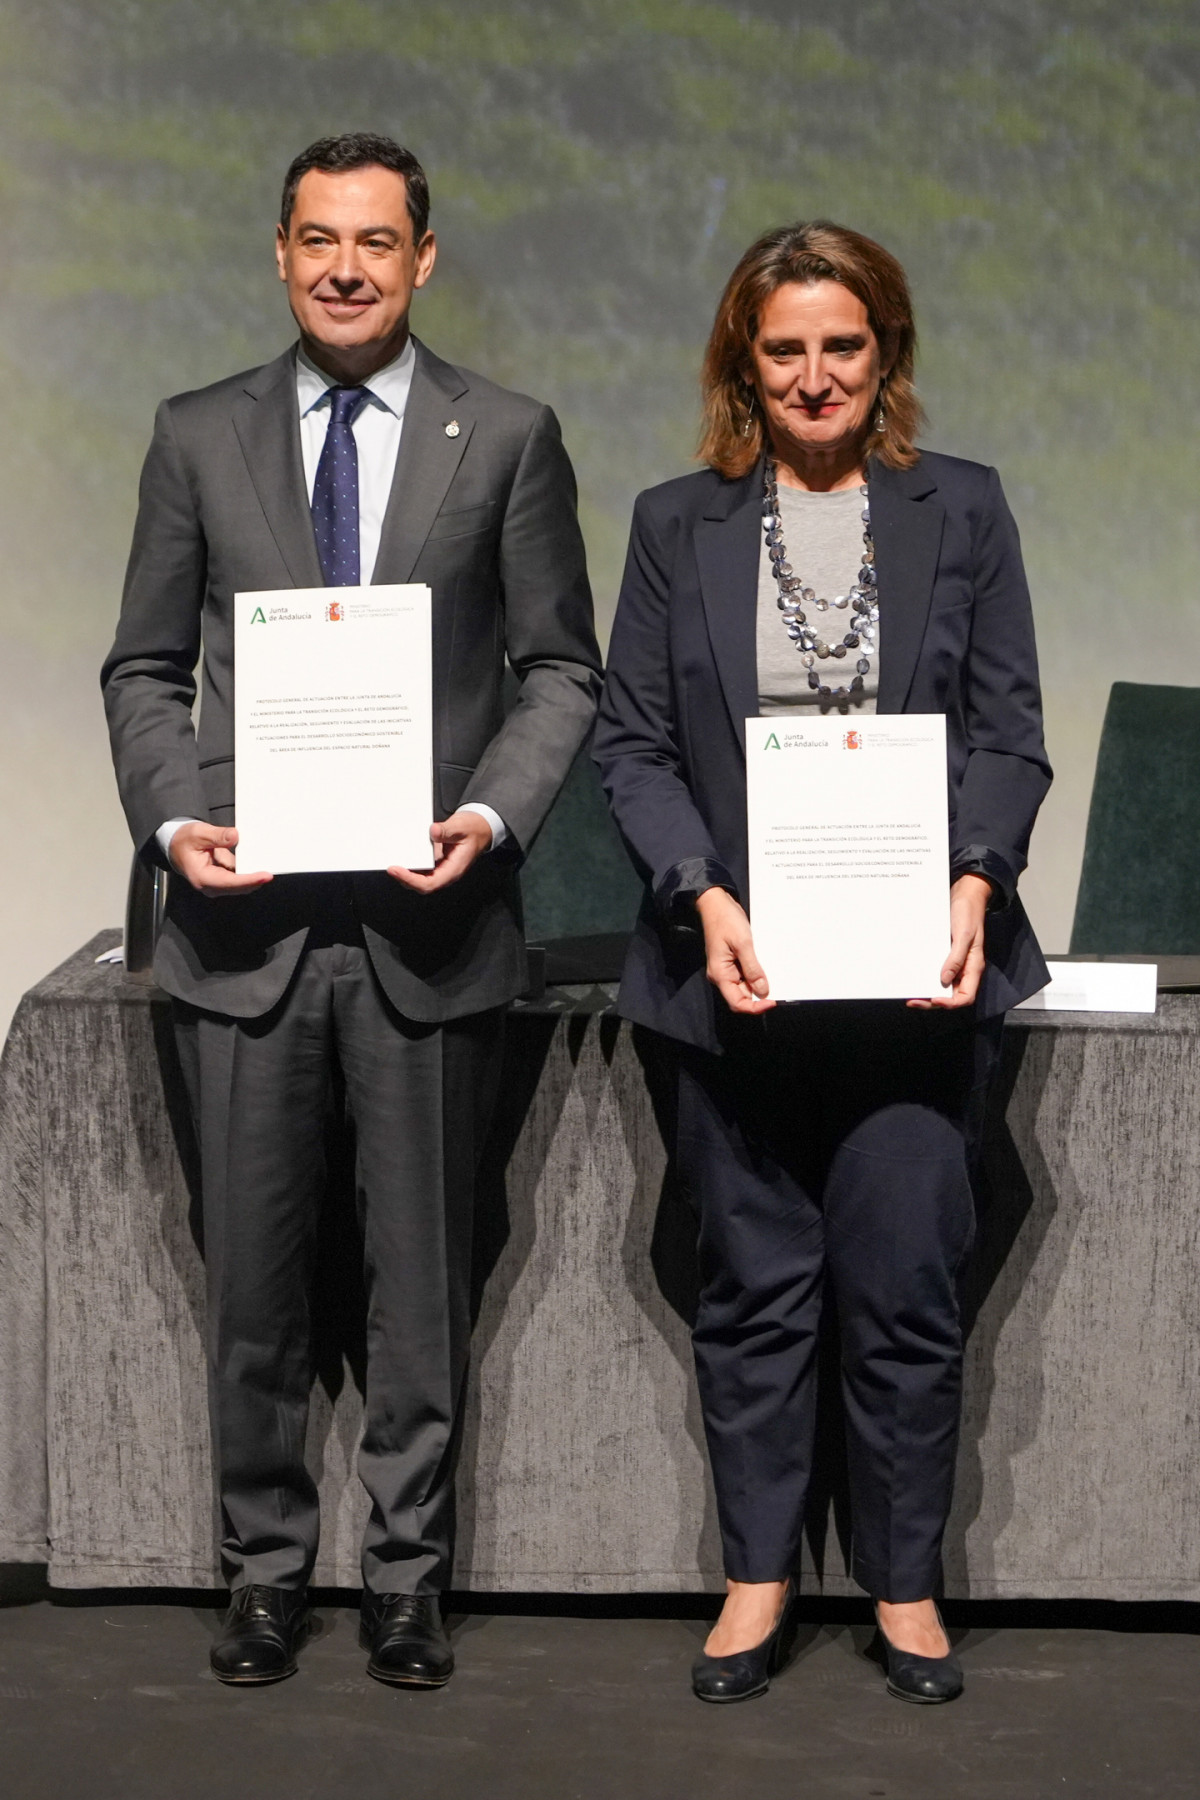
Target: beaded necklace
{"points": [[863, 599]]}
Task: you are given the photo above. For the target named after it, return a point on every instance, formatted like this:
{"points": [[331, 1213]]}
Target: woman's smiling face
{"points": [[817, 367]]}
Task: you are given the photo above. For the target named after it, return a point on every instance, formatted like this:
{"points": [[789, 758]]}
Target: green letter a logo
{"points": [[772, 743], [258, 617]]}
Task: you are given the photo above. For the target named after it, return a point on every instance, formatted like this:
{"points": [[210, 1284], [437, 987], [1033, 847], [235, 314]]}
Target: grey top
{"points": [[824, 538]]}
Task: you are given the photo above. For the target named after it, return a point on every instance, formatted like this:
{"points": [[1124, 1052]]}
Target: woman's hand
{"points": [[733, 968], [963, 967]]}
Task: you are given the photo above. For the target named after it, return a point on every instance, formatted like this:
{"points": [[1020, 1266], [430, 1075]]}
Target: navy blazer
{"points": [[956, 637]]}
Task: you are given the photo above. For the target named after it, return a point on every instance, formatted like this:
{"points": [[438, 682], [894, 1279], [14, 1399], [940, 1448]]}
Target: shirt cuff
{"points": [[499, 828], [166, 832]]}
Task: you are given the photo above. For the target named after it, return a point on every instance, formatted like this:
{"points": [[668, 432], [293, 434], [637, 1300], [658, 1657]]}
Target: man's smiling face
{"points": [[351, 266]]}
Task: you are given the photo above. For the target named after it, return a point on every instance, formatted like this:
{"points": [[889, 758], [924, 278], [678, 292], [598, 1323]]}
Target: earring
{"points": [[749, 425], [880, 408]]}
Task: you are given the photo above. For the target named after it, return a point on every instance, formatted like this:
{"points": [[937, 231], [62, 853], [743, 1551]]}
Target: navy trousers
{"points": [[830, 1145]]}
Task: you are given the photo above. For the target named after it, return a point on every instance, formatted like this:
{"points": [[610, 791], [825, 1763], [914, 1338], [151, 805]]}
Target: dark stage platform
{"points": [[109, 1698]]}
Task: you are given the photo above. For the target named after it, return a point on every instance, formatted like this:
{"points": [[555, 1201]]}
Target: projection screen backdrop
{"points": [[596, 169]]}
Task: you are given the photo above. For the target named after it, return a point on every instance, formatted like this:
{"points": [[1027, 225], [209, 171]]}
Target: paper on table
{"points": [[1096, 987], [333, 729], [849, 855]]}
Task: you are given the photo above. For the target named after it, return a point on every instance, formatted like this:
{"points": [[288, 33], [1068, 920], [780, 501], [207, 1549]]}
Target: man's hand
{"points": [[733, 968], [457, 841], [963, 967], [203, 855]]}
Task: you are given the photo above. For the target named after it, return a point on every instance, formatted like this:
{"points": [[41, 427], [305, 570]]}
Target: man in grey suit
{"points": [[358, 455]]}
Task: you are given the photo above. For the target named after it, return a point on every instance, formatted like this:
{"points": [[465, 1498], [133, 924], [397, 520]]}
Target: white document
{"points": [[849, 855], [333, 729], [1097, 987]]}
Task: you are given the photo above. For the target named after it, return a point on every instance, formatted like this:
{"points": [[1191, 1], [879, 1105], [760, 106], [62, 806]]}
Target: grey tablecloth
{"points": [[583, 1467]]}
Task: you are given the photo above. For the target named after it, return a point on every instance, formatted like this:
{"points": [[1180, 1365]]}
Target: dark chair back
{"points": [[145, 903], [578, 880], [1139, 892]]}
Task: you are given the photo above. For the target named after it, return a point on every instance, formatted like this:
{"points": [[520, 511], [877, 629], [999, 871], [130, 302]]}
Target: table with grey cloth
{"points": [[583, 1467]]}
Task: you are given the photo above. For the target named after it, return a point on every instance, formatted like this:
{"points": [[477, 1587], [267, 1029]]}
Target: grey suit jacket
{"points": [[487, 519]]}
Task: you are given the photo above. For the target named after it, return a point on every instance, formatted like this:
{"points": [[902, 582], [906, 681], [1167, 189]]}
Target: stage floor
{"points": [[110, 1698]]}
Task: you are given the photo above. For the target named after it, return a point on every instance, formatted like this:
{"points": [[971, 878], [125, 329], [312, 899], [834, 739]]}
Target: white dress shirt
{"points": [[377, 430]]}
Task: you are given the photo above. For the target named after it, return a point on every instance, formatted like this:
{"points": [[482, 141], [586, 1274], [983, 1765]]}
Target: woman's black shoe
{"points": [[746, 1673], [263, 1629], [927, 1680]]}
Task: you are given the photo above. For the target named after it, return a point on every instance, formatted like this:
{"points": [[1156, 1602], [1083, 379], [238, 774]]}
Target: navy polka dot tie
{"points": [[335, 491]]}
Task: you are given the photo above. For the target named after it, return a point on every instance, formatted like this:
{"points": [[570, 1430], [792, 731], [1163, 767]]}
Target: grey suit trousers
{"points": [[419, 1097]]}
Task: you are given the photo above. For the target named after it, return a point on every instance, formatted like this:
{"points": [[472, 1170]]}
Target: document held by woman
{"points": [[333, 729], [849, 855]]}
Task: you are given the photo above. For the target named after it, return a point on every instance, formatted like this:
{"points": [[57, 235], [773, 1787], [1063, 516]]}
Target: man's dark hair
{"points": [[360, 150]]}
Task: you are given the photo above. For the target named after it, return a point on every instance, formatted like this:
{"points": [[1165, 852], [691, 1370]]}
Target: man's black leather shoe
{"points": [[407, 1640], [263, 1629]]}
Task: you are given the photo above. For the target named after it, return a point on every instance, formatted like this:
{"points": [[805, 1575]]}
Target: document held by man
{"points": [[849, 855], [333, 729]]}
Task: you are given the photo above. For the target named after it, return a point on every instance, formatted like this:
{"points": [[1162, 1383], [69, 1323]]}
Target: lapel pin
{"points": [[453, 428]]}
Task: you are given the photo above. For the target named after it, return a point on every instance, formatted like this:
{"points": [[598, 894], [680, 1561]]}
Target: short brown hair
{"points": [[811, 251]]}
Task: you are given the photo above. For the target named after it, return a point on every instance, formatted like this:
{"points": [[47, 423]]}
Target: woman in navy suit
{"points": [[820, 561]]}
